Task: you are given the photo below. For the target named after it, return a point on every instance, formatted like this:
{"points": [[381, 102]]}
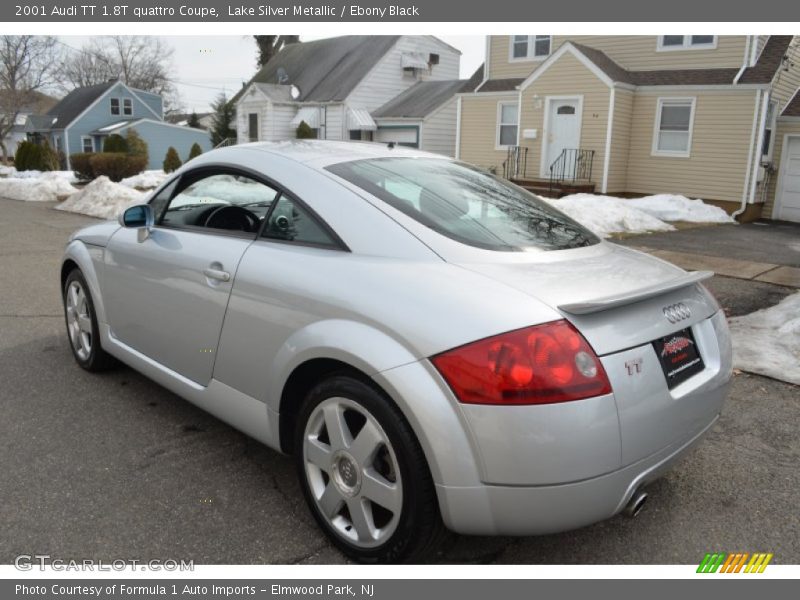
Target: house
{"points": [[336, 84], [38, 103], [205, 119], [85, 117], [701, 115]]}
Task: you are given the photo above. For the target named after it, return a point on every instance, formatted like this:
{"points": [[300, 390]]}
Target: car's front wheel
{"points": [[82, 328], [364, 474]]}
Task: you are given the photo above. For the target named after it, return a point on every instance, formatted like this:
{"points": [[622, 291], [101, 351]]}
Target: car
{"points": [[436, 347]]}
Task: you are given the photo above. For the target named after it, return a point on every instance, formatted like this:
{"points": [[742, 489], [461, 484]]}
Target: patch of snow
{"points": [[671, 207], [605, 215], [48, 187], [7, 171], [767, 341], [68, 176], [146, 180], [102, 198], [224, 189]]}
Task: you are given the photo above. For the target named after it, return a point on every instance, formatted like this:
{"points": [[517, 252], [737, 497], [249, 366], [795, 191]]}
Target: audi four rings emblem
{"points": [[677, 312]]}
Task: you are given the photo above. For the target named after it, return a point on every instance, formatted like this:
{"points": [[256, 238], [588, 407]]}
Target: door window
{"points": [[290, 222], [220, 201]]}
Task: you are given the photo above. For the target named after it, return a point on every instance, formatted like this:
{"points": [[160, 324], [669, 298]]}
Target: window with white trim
{"points": [[127, 106], [769, 132], [87, 143], [507, 124], [673, 129], [114, 106], [529, 47], [686, 42]]}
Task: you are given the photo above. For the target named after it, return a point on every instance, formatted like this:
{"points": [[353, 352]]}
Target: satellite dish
{"points": [[282, 76], [295, 92]]}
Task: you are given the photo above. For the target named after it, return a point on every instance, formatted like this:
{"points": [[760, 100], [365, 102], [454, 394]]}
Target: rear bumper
{"points": [[520, 510]]}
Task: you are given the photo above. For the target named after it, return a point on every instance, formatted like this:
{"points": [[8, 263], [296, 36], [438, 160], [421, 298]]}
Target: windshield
{"points": [[466, 204]]}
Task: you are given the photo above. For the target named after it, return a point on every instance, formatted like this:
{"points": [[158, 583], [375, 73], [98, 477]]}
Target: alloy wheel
{"points": [[79, 320]]}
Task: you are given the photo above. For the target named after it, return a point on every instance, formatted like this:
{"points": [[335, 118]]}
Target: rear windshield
{"points": [[466, 204]]}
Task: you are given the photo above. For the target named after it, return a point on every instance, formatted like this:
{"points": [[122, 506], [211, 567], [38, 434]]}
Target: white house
{"points": [[336, 84]]}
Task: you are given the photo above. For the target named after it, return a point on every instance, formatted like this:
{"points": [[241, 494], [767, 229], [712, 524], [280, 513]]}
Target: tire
{"points": [[375, 456], [82, 329]]}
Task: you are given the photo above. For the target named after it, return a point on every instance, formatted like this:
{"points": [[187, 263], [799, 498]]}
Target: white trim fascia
{"points": [[458, 128], [702, 87], [609, 133], [398, 119], [750, 152], [654, 151], [753, 58], [147, 106], [757, 150], [92, 105], [510, 93], [563, 49], [748, 44], [790, 119], [777, 202], [546, 125], [487, 57], [158, 122], [624, 86], [684, 47]]}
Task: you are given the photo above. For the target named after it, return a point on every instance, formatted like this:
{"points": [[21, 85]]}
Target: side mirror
{"points": [[138, 217]]}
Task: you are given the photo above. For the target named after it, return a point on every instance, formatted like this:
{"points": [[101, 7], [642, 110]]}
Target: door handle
{"points": [[217, 274]]}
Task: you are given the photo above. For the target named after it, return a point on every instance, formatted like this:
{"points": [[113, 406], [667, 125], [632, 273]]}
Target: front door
{"points": [[166, 296], [252, 127], [789, 208], [563, 132]]}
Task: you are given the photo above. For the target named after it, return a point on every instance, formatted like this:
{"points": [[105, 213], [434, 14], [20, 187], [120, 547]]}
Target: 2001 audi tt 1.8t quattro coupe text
{"points": [[435, 346]]}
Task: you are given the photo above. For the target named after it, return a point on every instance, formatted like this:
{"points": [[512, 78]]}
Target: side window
{"points": [[290, 222], [220, 201]]}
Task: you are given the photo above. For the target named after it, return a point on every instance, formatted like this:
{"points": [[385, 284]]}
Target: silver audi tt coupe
{"points": [[436, 347]]}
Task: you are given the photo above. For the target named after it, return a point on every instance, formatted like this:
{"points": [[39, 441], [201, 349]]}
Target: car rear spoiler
{"points": [[615, 300]]}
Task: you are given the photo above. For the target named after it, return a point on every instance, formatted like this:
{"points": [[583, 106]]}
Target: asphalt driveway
{"points": [[115, 467]]}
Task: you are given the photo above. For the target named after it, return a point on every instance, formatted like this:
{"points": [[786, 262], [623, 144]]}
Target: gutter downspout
{"points": [[749, 197]]}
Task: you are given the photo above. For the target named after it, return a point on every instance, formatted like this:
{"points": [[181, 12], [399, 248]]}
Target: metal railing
{"points": [[573, 164], [516, 162], [227, 142]]}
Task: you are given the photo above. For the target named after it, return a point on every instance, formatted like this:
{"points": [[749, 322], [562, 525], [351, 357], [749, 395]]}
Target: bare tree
{"points": [[142, 62], [26, 66], [270, 45]]}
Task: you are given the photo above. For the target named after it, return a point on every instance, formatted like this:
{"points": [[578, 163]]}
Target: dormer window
{"points": [[127, 107], [530, 47], [115, 106], [686, 42]]}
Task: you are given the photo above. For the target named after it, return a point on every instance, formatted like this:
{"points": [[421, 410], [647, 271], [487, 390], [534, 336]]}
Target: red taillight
{"points": [[536, 365]]}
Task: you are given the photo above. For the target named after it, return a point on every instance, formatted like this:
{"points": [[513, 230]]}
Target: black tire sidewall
{"points": [[413, 471], [92, 360]]}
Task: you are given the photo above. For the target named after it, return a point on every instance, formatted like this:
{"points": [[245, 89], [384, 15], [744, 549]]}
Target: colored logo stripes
{"points": [[735, 563]]}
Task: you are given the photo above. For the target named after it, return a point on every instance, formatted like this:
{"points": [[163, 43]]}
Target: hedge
{"points": [[116, 165]]}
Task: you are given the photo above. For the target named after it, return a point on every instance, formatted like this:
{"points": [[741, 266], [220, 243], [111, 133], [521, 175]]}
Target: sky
{"points": [[205, 66]]}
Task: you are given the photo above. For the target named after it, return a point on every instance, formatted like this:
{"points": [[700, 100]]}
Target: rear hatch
{"points": [[617, 298]]}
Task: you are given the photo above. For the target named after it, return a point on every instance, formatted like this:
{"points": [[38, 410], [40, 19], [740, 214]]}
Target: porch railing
{"points": [[516, 162], [573, 164], [231, 141]]}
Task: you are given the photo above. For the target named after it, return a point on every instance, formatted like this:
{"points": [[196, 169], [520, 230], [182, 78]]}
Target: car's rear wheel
{"points": [[364, 475], [82, 328]]}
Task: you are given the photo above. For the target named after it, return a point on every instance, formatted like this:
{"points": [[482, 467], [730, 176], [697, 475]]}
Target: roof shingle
{"points": [[420, 99], [74, 103], [768, 61]]}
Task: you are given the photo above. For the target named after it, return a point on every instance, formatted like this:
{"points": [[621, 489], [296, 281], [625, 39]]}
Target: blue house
{"points": [[82, 120]]}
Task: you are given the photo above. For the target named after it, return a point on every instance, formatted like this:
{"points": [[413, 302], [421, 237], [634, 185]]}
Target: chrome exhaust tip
{"points": [[635, 504]]}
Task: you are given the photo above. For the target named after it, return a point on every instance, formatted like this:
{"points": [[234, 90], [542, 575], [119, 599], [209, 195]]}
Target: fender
{"points": [[89, 259]]}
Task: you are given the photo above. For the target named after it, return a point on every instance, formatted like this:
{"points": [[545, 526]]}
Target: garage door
{"points": [[405, 136], [790, 188]]}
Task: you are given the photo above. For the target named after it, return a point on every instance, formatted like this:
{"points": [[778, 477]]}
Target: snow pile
{"points": [[605, 215], [224, 189], [6, 171], [146, 180], [102, 198], [48, 187], [68, 176], [671, 207], [767, 341]]}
